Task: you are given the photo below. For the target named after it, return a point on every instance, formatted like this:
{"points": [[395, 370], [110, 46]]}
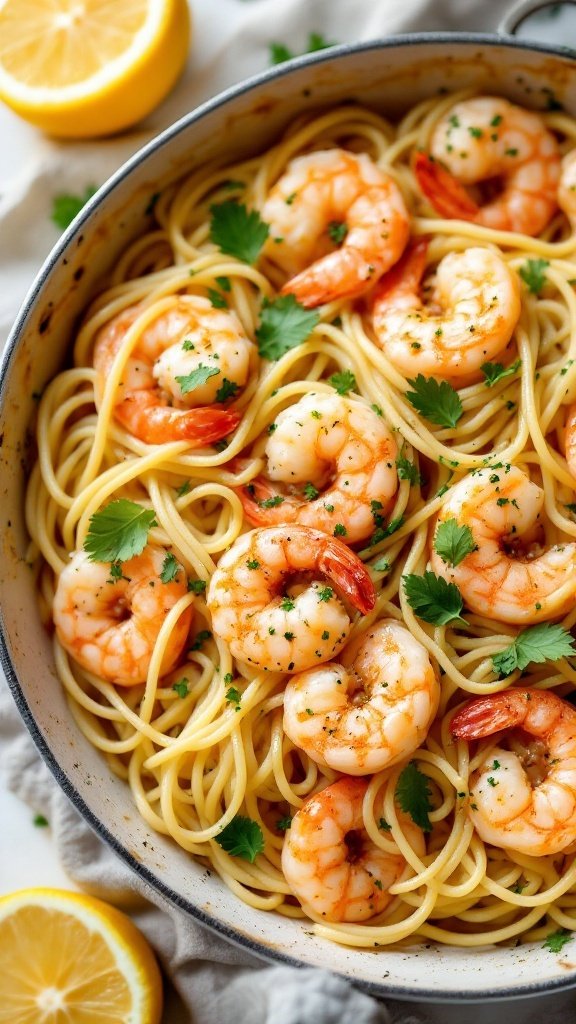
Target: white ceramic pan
{"points": [[388, 75]]}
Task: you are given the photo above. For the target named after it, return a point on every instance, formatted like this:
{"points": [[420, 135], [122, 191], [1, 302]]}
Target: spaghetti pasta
{"points": [[203, 746]]}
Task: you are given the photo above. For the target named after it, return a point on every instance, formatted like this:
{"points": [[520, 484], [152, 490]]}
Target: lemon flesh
{"points": [[81, 68], [66, 958]]}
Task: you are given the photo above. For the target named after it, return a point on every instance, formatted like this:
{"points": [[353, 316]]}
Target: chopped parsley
{"points": [[40, 821], [184, 488], [170, 568], [196, 586], [227, 390], [340, 530], [337, 231], [279, 52], [233, 696], [190, 381], [273, 502], [343, 382], [407, 470], [284, 324], [325, 594], [242, 837], [556, 941], [310, 492], [433, 599], [453, 542], [436, 400], [533, 274], [413, 795], [119, 531], [217, 299], [181, 688], [200, 639], [237, 231], [493, 372], [284, 823], [67, 206], [536, 644]]}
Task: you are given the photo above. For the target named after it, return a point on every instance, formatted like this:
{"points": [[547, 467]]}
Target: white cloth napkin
{"points": [[213, 981]]}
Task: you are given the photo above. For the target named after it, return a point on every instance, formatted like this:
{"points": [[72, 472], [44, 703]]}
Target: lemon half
{"points": [[82, 68], [69, 957]]}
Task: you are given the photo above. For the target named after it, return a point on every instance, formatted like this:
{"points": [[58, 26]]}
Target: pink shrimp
{"points": [[523, 795], [162, 397], [470, 318], [343, 454], [484, 138], [324, 198], [268, 600]]}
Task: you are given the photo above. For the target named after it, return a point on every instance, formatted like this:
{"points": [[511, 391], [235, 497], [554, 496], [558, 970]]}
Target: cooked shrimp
{"points": [[334, 194], [267, 602], [508, 576], [154, 402], [333, 445], [484, 138], [110, 625], [330, 862], [477, 305], [370, 711], [567, 187], [523, 798]]}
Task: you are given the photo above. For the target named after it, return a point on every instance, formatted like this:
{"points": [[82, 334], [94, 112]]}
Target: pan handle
{"points": [[511, 21]]}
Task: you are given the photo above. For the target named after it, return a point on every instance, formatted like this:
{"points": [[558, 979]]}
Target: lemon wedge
{"points": [[80, 68], [69, 957]]}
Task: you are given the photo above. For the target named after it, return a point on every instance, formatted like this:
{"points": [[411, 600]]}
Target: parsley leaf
{"points": [[279, 53], [556, 940], [237, 231], [436, 400], [184, 488], [494, 372], [413, 795], [242, 837], [343, 382], [40, 821], [66, 206], [227, 390], [118, 532], [181, 688], [310, 492], [433, 599], [337, 231], [196, 586], [196, 378], [170, 568], [407, 470], [200, 639], [284, 324], [453, 542], [233, 696], [532, 273], [284, 823], [543, 642], [217, 299]]}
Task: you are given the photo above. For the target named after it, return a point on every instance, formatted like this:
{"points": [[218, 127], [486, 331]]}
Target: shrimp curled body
{"points": [[369, 712], [332, 865], [333, 191], [155, 402], [484, 138], [477, 305], [269, 601], [531, 813], [110, 626], [501, 579], [340, 446]]}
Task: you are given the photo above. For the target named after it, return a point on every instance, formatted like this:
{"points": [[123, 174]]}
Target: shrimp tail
{"points": [[141, 414], [486, 715], [254, 497], [348, 573], [342, 274], [448, 197], [404, 278]]}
